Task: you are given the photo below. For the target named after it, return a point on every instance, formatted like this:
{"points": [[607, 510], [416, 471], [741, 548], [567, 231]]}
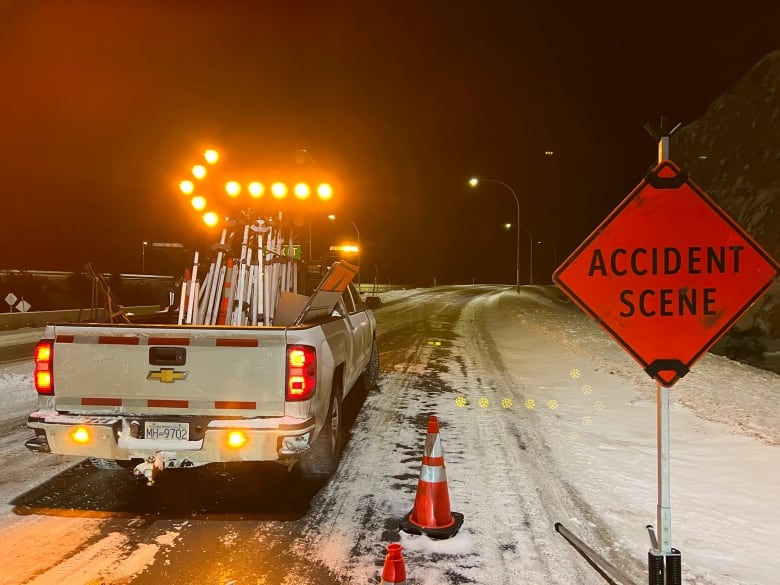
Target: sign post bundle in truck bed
{"points": [[159, 395]]}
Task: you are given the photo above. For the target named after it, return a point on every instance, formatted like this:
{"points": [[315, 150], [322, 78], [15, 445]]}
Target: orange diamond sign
{"points": [[667, 273]]}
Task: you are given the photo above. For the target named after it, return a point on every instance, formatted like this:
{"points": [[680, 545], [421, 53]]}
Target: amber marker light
{"points": [[324, 191], [198, 171], [187, 187], [279, 190], [236, 439], [256, 189], [233, 188], [80, 435], [211, 156], [302, 191], [210, 218]]}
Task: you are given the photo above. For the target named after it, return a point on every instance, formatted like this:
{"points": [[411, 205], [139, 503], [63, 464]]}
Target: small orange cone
{"points": [[431, 514], [224, 303], [394, 571]]}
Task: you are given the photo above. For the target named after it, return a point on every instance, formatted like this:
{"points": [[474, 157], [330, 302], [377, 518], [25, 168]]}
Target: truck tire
{"points": [[323, 459], [371, 373]]}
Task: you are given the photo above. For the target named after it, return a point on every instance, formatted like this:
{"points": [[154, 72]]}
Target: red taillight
{"points": [[301, 372], [43, 376]]}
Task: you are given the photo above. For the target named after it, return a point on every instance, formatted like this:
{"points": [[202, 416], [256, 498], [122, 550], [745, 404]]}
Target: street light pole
{"points": [[474, 182], [143, 257], [554, 251]]}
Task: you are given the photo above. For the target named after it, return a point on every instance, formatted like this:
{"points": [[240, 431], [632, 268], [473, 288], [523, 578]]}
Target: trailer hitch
{"points": [[151, 467]]}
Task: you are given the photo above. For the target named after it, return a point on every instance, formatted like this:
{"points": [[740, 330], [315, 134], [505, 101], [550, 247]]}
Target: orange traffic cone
{"points": [[394, 571], [431, 514], [227, 293]]}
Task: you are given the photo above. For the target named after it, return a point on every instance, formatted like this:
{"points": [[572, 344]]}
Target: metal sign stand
{"points": [[664, 562]]}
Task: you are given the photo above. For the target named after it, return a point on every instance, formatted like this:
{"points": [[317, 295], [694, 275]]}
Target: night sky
{"points": [[107, 104]]}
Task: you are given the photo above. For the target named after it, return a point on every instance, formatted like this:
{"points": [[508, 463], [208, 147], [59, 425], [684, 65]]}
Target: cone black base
{"points": [[439, 533]]}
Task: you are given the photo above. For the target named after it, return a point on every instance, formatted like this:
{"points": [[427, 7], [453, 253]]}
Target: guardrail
{"points": [[16, 320]]}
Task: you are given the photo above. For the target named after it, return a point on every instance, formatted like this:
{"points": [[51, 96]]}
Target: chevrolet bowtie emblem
{"points": [[167, 375]]}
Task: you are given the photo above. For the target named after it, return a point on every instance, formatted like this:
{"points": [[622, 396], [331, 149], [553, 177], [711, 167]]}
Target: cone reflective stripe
{"points": [[224, 303], [394, 571], [431, 514]]}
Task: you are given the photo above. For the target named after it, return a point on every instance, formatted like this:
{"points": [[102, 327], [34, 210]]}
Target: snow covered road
{"points": [[543, 419]]}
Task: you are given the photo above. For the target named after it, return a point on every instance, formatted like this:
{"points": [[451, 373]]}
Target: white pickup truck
{"points": [[154, 396]]}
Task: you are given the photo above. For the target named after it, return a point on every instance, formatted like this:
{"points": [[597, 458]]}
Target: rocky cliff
{"points": [[733, 153]]}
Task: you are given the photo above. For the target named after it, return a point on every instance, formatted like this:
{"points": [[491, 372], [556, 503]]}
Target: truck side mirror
{"points": [[373, 302]]}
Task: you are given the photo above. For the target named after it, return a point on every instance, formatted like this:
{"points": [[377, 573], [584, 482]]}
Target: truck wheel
{"points": [[371, 374], [323, 459]]}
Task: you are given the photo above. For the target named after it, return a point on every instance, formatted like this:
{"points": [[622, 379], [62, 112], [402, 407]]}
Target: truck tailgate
{"points": [[150, 369]]}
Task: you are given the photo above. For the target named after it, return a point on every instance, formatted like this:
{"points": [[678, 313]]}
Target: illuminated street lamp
{"points": [[143, 257], [474, 182]]}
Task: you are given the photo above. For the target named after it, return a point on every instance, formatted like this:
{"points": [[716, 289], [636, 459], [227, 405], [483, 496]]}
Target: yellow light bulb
{"points": [[233, 188], [210, 218], [279, 190], [198, 203], [324, 191], [256, 189], [302, 191]]}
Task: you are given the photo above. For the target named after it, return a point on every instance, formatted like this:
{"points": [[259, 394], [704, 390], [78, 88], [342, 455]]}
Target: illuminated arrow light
{"points": [[302, 191], [324, 191], [210, 218], [198, 171], [211, 156], [187, 187], [256, 189], [233, 188], [198, 203], [279, 190]]}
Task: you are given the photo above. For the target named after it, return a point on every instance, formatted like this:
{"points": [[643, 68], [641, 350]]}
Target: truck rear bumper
{"points": [[117, 438]]}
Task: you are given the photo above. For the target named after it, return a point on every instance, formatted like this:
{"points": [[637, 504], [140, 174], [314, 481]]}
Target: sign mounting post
{"points": [[666, 274]]}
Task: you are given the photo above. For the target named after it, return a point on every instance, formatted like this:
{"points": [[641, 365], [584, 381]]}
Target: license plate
{"points": [[167, 431]]}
